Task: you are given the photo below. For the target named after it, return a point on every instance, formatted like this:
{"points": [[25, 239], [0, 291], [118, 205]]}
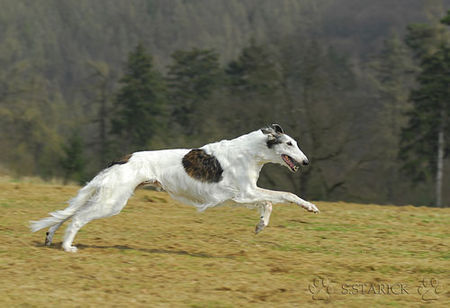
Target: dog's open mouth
{"points": [[292, 163]]}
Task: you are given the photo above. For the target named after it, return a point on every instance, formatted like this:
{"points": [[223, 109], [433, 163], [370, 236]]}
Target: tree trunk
{"points": [[440, 165]]}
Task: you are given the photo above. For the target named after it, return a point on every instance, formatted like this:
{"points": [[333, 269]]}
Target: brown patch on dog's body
{"points": [[202, 166], [121, 161]]}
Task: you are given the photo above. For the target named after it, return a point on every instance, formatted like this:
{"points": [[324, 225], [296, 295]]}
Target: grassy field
{"points": [[158, 252]]}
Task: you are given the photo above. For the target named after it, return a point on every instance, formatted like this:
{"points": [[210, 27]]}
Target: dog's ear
{"points": [[273, 133], [277, 128], [267, 130], [273, 129]]}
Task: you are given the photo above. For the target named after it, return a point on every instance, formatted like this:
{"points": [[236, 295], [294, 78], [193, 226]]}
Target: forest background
{"points": [[84, 82]]}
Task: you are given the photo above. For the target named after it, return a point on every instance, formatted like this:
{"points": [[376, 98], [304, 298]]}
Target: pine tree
{"points": [[254, 83], [140, 101], [192, 79], [254, 72], [426, 139]]}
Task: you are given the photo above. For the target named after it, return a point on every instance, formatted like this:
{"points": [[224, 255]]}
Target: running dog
{"points": [[224, 172]]}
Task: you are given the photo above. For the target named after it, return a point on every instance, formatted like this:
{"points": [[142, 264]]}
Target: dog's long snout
{"points": [[305, 162]]}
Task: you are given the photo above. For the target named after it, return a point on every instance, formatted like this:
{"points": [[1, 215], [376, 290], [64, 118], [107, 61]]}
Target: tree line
{"points": [[373, 127], [198, 100]]}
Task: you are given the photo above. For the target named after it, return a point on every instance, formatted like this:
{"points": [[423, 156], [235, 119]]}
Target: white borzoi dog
{"points": [[224, 172]]}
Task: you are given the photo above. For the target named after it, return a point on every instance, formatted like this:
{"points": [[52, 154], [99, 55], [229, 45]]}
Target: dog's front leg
{"points": [[281, 197], [266, 210]]}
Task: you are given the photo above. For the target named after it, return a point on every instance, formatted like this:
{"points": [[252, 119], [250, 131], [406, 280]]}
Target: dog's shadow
{"points": [[145, 250]]}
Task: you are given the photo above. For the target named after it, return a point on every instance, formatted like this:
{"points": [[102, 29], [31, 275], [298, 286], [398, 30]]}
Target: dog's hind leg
{"points": [[78, 221], [72, 230], [99, 208], [266, 210], [51, 232]]}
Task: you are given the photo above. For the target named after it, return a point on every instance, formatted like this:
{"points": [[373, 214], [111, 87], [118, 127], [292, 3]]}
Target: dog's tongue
{"points": [[288, 161]]}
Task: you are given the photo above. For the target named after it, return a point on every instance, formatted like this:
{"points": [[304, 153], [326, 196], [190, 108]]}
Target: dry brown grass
{"points": [[158, 252]]}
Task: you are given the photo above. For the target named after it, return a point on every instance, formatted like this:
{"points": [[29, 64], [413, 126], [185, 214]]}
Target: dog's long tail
{"points": [[76, 203]]}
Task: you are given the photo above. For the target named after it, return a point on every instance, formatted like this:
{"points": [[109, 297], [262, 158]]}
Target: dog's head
{"points": [[283, 149]]}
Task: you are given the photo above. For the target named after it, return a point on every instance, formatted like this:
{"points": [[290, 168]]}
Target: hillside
{"points": [[158, 252], [60, 38]]}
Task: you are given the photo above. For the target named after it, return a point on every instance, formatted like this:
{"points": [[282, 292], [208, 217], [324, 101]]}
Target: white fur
{"points": [[241, 160]]}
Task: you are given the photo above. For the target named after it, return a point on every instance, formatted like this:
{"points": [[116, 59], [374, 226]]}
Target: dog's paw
{"points": [[311, 208], [70, 248], [48, 239], [260, 226]]}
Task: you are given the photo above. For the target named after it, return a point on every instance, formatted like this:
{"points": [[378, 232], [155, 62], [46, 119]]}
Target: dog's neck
{"points": [[245, 152], [254, 146]]}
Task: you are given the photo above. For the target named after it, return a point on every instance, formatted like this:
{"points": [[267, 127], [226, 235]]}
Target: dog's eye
{"points": [[289, 143]]}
